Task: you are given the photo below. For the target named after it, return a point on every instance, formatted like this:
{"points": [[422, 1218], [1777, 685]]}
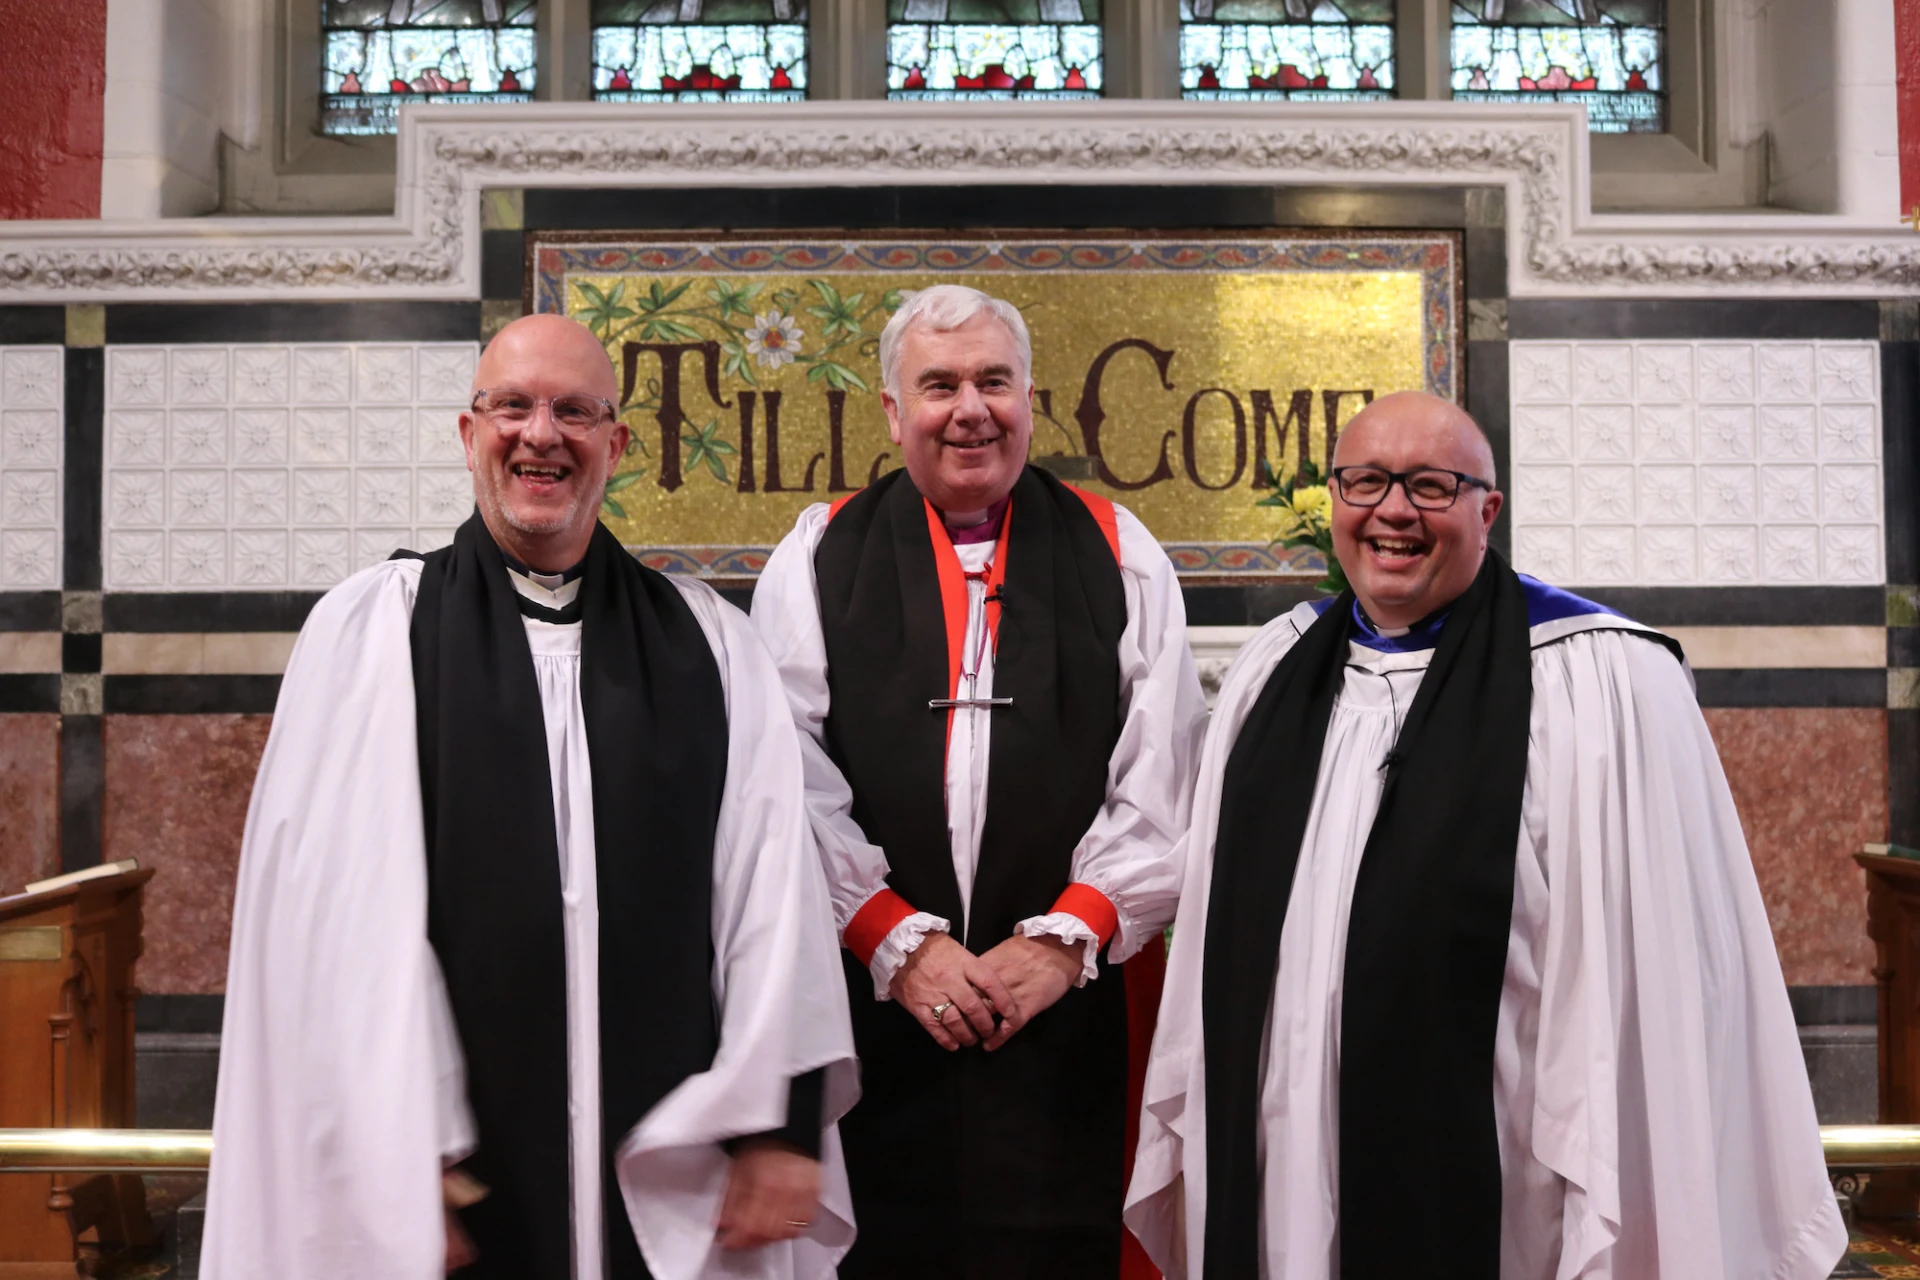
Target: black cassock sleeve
{"points": [[804, 1105]]}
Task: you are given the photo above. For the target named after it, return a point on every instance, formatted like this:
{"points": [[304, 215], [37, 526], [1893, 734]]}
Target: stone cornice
{"points": [[429, 249]]}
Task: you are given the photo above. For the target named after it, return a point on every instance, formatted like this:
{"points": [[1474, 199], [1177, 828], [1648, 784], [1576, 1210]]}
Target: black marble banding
{"points": [[1903, 776], [1792, 687], [503, 265], [29, 610], [193, 611], [1900, 452], [1638, 319], [81, 484], [33, 326], [192, 1014], [80, 652], [1903, 646], [170, 322], [83, 786], [1486, 253], [191, 695], [1487, 398], [1745, 606], [1851, 1005], [32, 691]]}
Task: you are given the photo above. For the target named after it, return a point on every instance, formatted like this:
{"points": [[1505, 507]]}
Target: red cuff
{"points": [[1093, 907], [872, 923]]}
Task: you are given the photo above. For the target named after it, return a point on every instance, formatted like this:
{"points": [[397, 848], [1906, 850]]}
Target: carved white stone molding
{"points": [[430, 247]]}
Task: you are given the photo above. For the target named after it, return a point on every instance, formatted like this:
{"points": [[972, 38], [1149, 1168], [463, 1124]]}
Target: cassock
{"points": [[1518, 1008], [526, 881], [1055, 813]]}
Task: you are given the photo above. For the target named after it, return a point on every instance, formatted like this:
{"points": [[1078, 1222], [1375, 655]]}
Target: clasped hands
{"points": [[1017, 980]]}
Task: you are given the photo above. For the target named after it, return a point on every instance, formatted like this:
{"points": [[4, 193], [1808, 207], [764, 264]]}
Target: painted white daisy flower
{"points": [[773, 339]]}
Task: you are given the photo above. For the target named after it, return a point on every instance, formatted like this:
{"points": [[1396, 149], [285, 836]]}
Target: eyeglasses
{"points": [[1428, 488], [512, 410]]}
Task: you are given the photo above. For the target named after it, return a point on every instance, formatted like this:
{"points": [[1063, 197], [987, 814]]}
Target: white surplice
{"points": [[1128, 854], [341, 1083], [1655, 1121]]}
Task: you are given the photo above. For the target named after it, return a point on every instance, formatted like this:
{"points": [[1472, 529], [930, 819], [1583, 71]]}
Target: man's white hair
{"points": [[944, 307]]}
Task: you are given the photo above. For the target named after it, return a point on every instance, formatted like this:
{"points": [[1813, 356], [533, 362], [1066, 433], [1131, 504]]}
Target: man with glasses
{"points": [[1470, 959], [527, 898]]}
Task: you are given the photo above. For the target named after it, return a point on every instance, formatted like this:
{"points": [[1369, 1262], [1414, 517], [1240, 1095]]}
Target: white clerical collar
{"points": [[548, 590]]}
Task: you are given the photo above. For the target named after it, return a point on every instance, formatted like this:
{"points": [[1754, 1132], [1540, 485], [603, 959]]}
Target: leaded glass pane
{"points": [[379, 55], [1332, 50], [994, 49], [699, 50], [1608, 54]]}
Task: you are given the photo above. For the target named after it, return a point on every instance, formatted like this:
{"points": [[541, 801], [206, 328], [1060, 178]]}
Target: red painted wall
{"points": [[55, 86], [1906, 36]]}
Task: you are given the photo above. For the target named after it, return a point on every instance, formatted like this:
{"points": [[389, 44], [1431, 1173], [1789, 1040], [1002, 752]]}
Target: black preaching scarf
{"points": [[656, 729], [1426, 940]]}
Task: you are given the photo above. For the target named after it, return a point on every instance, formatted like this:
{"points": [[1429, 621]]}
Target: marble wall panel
{"points": [[1811, 787], [176, 798], [29, 799]]}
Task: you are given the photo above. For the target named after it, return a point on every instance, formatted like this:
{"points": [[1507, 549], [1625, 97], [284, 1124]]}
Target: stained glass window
{"points": [[382, 54], [993, 49], [699, 50], [1327, 49], [1608, 54]]}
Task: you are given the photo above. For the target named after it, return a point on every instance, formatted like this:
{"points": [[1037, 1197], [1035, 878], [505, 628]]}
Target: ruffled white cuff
{"points": [[1067, 927], [902, 941]]}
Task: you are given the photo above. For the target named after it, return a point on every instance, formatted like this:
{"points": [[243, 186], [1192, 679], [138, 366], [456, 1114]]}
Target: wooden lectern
{"points": [[66, 1019]]}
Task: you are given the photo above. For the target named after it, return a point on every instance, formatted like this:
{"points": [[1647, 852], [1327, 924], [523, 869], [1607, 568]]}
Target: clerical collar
{"points": [[549, 597], [1422, 635], [986, 531]]}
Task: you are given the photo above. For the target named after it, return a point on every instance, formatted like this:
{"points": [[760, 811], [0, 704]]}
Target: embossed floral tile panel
{"points": [[279, 467], [1697, 463], [31, 437]]}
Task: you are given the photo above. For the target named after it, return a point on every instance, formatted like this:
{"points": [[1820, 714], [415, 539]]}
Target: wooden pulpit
{"points": [[66, 1019]]}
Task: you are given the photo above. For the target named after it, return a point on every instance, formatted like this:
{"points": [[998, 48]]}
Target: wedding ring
{"points": [[802, 1225]]}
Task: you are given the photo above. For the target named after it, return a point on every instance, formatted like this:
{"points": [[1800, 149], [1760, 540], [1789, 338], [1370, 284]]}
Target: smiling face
{"points": [[1405, 562], [538, 489], [963, 414]]}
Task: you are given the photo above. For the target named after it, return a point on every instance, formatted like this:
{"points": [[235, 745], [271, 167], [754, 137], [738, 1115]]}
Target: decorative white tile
{"points": [[1849, 431], [1606, 494], [1603, 432], [136, 499], [1726, 431], [1665, 431], [137, 559], [1541, 433], [437, 434], [1727, 494], [198, 558], [1789, 431], [260, 436], [1728, 554], [322, 375], [446, 372], [1789, 494], [371, 546], [29, 438], [1786, 371], [1544, 551], [198, 498], [137, 437], [321, 557], [1668, 553], [1724, 371], [199, 376], [260, 499], [384, 375], [29, 498], [1849, 493], [1667, 493], [1663, 371], [322, 435], [199, 436], [1603, 372], [1544, 494], [1606, 553], [445, 497], [1851, 554], [260, 557], [1849, 371], [323, 497], [383, 436], [383, 498], [29, 558], [136, 375], [30, 377], [425, 540], [262, 375], [1790, 553]]}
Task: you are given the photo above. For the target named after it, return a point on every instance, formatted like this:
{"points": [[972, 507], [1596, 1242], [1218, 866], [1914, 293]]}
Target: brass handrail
{"points": [[1848, 1146]]}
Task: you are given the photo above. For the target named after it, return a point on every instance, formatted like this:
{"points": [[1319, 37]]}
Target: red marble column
{"points": [[1811, 787], [29, 799], [56, 84], [1906, 36]]}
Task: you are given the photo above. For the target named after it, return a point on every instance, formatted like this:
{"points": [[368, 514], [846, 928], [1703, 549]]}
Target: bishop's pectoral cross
{"points": [[970, 671]]}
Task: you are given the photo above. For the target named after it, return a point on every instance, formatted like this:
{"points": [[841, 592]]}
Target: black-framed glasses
{"points": [[1428, 488], [510, 409]]}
